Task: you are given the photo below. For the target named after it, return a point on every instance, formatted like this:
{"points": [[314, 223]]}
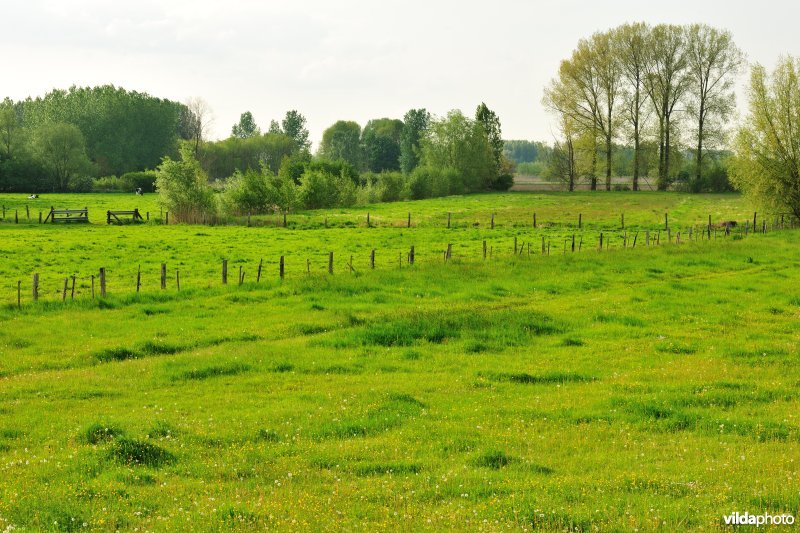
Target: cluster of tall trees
{"points": [[659, 89], [58, 141]]}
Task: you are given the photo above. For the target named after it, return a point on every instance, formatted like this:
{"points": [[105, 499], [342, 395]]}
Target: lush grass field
{"points": [[649, 388]]}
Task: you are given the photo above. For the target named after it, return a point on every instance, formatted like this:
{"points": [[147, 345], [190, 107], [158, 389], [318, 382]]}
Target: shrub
{"points": [[107, 184], [81, 184], [390, 185], [183, 188], [139, 180]]}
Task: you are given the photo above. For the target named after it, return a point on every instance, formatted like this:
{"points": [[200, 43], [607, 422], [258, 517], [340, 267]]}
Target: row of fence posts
{"points": [[165, 217], [487, 251]]}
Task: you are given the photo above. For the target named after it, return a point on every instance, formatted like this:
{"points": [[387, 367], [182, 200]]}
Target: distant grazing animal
{"points": [[726, 224], [139, 191], [33, 197]]}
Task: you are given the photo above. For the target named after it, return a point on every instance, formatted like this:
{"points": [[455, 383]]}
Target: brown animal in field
{"points": [[728, 224]]}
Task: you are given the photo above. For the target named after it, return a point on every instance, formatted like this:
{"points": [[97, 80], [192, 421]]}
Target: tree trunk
{"points": [[593, 175], [608, 162], [699, 155], [608, 149], [666, 153], [636, 147], [660, 151]]}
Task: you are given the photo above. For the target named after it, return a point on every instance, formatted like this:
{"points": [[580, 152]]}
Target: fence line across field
{"points": [[572, 243], [82, 215]]}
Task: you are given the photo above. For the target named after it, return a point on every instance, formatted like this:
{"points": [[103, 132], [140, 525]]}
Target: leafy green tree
{"points": [[62, 152], [294, 125], [415, 126], [713, 61], [342, 141], [666, 83], [767, 161], [491, 125], [381, 144], [246, 127], [631, 43], [183, 188], [458, 144], [9, 129]]}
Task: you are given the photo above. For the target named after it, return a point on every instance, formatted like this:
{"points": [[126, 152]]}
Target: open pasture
{"points": [[650, 388]]}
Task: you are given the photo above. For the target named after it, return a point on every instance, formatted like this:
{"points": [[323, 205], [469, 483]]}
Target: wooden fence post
{"points": [[330, 262], [601, 241], [224, 271], [28, 211], [72, 291], [484, 250], [368, 219], [40, 217], [534, 221], [449, 252], [573, 242], [19, 285], [35, 287], [241, 274], [258, 273], [492, 220], [163, 276], [281, 268], [372, 259], [92, 286], [138, 278], [64, 290], [16, 216], [350, 264], [543, 247], [178, 279], [408, 225], [754, 222], [515, 245], [622, 220], [102, 282], [580, 221], [411, 256], [448, 220]]}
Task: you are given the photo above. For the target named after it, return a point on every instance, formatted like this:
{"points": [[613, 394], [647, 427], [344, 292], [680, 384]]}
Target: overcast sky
{"points": [[343, 59]]}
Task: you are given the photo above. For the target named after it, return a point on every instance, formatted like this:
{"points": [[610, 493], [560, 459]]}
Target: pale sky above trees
{"points": [[345, 59]]}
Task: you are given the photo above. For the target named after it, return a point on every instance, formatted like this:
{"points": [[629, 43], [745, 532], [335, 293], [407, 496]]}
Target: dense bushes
{"points": [[183, 188]]}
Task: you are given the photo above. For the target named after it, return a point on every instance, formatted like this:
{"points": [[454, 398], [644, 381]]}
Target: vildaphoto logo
{"points": [[747, 519]]}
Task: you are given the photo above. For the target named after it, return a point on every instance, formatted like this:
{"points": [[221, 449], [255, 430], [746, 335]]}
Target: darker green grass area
{"points": [[492, 330], [390, 414], [99, 433], [139, 453], [493, 459], [548, 378], [212, 371]]}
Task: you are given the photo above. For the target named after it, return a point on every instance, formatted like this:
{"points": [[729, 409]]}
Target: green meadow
{"points": [[642, 387]]}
